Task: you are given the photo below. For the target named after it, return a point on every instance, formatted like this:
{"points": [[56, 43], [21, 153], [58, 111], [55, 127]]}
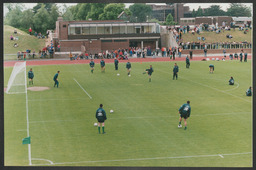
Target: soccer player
{"points": [[211, 66], [55, 78], [92, 65], [116, 64], [30, 76], [241, 57], [101, 117], [175, 71], [231, 81], [249, 91], [149, 71], [128, 66], [187, 62], [231, 56], [245, 56], [184, 112], [102, 65], [236, 56]]}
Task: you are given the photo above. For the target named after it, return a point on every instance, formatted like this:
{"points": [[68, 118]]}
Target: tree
{"points": [[67, 14], [14, 16], [193, 13], [47, 6], [96, 10], [214, 10], [238, 10], [54, 14], [83, 10], [41, 20], [111, 11], [27, 19], [140, 12], [199, 11], [169, 20]]}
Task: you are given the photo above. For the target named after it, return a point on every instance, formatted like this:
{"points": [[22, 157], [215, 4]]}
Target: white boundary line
{"points": [[141, 159], [83, 89], [29, 145], [148, 117], [233, 88], [51, 163]]}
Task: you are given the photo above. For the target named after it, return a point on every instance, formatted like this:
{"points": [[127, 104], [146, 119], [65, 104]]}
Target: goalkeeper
{"points": [[30, 76], [184, 112], [149, 71]]}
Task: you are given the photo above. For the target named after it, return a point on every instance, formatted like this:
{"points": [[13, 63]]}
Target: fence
{"points": [[198, 46]]}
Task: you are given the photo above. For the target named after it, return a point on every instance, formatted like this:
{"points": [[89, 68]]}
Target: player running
{"points": [[184, 112], [149, 71], [128, 66], [30, 76], [92, 65], [187, 62], [55, 78], [101, 117]]}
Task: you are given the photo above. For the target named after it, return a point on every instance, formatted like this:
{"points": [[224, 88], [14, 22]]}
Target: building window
{"points": [[116, 30], [130, 30], [106, 40], [92, 30], [86, 30], [78, 30], [64, 26], [120, 40]]}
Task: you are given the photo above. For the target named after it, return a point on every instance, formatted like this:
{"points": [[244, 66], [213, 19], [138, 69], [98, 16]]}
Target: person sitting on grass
{"points": [[231, 81], [11, 37], [15, 45], [249, 91], [71, 56]]}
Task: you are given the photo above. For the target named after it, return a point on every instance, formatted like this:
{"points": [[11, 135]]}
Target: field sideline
{"points": [[142, 131]]}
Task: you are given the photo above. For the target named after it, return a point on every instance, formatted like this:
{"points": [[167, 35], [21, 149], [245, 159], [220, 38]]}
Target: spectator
{"points": [[11, 37], [15, 32], [205, 52], [30, 30], [35, 34], [15, 45], [191, 54]]}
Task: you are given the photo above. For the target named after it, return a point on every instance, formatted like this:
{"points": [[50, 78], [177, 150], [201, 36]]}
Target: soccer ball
{"points": [[179, 126], [111, 111], [95, 124], [118, 74], [129, 75]]}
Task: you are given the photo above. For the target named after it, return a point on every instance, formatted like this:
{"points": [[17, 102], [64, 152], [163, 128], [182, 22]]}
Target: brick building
{"points": [[97, 36]]}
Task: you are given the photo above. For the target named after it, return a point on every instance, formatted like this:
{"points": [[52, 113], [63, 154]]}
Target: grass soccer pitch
{"points": [[143, 130]]}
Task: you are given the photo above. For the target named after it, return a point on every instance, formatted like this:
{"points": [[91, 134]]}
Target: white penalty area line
{"points": [[83, 89], [143, 159]]}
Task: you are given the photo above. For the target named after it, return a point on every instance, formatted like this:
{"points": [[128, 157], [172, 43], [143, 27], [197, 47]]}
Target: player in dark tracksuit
{"points": [[211, 66], [101, 117], [149, 71], [245, 57], [102, 65], [92, 65], [241, 57], [236, 56], [187, 62], [128, 66], [175, 71], [184, 112], [55, 78], [231, 81], [116, 64], [30, 76]]}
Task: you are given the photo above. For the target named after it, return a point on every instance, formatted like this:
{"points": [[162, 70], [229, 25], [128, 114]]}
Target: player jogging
{"points": [[184, 112], [249, 91], [211, 66], [128, 66], [92, 65], [245, 56], [30, 76], [231, 81], [241, 57], [116, 64], [55, 78], [102, 65], [149, 71], [175, 71], [101, 117]]}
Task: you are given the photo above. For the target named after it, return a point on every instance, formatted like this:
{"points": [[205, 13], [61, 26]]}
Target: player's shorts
{"points": [[184, 116], [101, 121], [102, 66]]}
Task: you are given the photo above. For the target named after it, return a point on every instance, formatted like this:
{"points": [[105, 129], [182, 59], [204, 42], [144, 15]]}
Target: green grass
{"points": [[212, 37], [25, 42], [145, 118]]}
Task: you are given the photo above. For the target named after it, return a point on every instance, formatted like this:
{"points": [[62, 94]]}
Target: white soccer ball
{"points": [[111, 111], [95, 124], [129, 75], [118, 74], [179, 126]]}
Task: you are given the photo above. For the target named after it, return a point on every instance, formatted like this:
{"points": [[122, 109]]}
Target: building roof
{"points": [[122, 13]]}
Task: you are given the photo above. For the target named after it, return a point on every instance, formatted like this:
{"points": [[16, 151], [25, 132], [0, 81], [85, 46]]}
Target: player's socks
{"points": [[185, 128], [179, 123], [149, 79], [32, 82], [99, 129], [144, 73], [103, 129]]}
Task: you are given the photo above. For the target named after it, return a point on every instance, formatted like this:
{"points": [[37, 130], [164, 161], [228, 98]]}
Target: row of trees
{"points": [[43, 16], [234, 9]]}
